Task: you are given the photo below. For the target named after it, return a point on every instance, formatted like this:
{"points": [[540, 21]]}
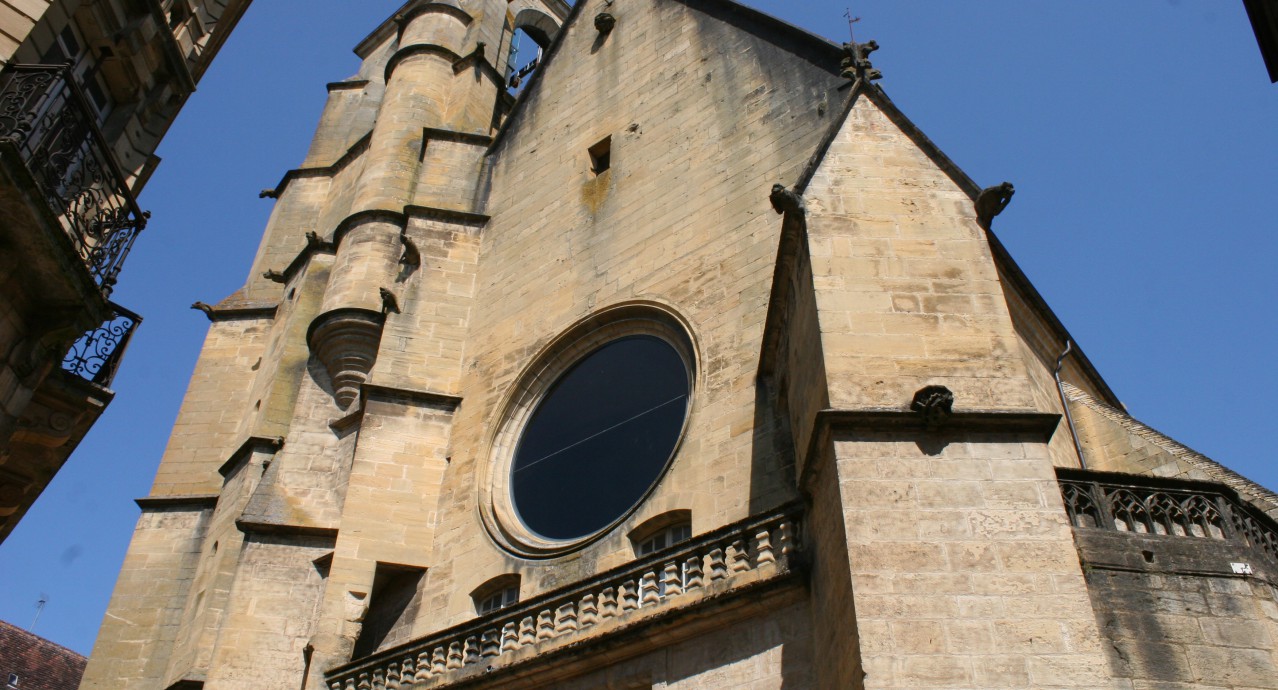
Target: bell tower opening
{"points": [[531, 34]]}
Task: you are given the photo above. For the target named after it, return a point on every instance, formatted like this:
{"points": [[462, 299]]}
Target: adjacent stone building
{"points": [[87, 89], [688, 362]]}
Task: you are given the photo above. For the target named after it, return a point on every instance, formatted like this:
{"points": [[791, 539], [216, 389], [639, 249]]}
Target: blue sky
{"points": [[1140, 135]]}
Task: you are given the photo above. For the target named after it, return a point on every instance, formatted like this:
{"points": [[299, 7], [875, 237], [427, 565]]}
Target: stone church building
{"points": [[687, 361]]}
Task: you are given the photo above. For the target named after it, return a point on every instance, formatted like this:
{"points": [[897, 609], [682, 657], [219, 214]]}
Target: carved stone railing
{"points": [[1167, 507], [96, 355], [45, 115], [713, 564]]}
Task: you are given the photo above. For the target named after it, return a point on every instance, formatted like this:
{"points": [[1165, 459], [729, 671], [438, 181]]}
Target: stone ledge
{"points": [[195, 501]]}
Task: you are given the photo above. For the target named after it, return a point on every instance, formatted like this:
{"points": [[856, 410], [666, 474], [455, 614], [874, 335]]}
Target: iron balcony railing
{"points": [[1166, 507], [96, 355], [718, 562], [46, 116]]}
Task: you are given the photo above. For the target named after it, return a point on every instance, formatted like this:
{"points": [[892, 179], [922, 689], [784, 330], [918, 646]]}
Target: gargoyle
{"points": [[785, 200], [206, 308], [274, 276], [412, 257], [992, 200], [856, 61], [389, 303], [935, 404]]}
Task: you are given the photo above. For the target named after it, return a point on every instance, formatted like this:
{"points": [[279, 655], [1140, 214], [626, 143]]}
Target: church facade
{"points": [[689, 362]]}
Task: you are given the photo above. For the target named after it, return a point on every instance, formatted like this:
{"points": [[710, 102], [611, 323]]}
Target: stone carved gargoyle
{"points": [[935, 404], [856, 61], [604, 22], [992, 200], [389, 303], [786, 200]]}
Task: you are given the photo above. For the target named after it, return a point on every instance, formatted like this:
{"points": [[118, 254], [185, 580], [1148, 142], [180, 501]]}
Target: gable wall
{"points": [[704, 118]]}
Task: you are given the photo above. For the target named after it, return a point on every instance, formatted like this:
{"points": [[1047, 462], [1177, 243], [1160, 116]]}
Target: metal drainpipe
{"points": [[1060, 389]]}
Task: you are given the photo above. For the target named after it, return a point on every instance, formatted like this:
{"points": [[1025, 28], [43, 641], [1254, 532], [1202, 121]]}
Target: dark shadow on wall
{"points": [[772, 472]]}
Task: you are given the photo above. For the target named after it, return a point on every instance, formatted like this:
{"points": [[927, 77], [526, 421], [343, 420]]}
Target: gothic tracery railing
{"points": [[717, 561], [1155, 506], [45, 115]]}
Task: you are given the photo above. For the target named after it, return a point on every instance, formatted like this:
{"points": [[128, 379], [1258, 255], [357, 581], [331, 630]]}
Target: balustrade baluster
{"points": [[545, 625], [527, 631], [589, 611], [608, 602], [510, 637], [718, 564], [671, 582], [455, 658], [648, 589], [692, 573], [565, 619], [490, 642]]}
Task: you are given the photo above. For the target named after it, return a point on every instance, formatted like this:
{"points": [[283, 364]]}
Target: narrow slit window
{"points": [[601, 156]]}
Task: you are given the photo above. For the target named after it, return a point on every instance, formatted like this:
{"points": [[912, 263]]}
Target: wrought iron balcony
{"points": [[96, 355], [728, 561], [45, 115], [1153, 506]]}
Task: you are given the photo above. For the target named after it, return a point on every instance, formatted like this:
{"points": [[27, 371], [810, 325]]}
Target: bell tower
{"points": [[349, 317]]}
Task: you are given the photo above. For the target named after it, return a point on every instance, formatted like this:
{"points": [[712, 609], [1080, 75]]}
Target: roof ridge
{"points": [[42, 640]]}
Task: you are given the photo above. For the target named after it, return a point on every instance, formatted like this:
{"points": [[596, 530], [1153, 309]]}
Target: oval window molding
{"points": [[589, 430]]}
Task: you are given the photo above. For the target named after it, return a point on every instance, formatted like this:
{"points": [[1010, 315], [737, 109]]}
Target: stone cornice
{"points": [[251, 444], [372, 391], [195, 501], [253, 527], [993, 425]]}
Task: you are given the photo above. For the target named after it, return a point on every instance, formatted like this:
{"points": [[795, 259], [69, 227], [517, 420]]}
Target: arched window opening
{"points": [[525, 58], [662, 532], [533, 32], [496, 594]]}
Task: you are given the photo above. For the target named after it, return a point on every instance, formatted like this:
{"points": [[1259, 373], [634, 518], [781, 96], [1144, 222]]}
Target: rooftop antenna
{"points": [[851, 20], [44, 599]]}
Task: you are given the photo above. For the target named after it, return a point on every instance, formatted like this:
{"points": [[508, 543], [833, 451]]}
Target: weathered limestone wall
{"points": [[964, 569], [217, 399], [272, 612], [764, 653], [220, 549], [905, 282], [135, 642], [1039, 346], [1188, 631], [674, 221], [17, 18], [423, 346]]}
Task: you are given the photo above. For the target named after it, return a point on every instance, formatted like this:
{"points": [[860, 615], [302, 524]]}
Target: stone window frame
{"points": [[631, 318], [498, 589], [662, 525]]}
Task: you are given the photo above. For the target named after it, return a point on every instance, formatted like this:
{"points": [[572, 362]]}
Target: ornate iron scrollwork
{"points": [[96, 355], [46, 116]]}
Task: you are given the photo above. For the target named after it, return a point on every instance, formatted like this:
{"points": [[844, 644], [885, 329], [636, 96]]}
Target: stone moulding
{"points": [[346, 341], [734, 560]]}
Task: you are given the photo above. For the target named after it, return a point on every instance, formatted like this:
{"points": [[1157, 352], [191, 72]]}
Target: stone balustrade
{"points": [[713, 564]]}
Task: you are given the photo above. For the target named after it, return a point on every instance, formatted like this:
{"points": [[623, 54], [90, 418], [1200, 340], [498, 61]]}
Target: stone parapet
{"points": [[728, 561]]}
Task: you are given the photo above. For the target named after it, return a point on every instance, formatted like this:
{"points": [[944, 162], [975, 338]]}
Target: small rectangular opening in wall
{"points": [[395, 599], [601, 155]]}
